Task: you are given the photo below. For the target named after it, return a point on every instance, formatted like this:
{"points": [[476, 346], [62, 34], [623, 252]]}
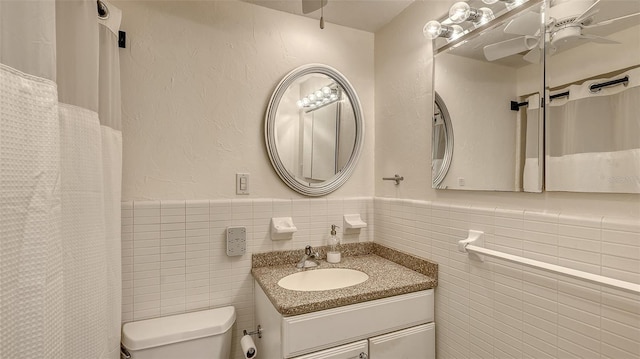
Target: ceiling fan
{"points": [[567, 20], [309, 6]]}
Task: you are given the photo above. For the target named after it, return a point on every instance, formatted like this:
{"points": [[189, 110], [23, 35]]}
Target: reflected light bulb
{"points": [[312, 97], [456, 32], [313, 105], [318, 94], [326, 90], [300, 104], [459, 12], [334, 96], [325, 100], [487, 15], [306, 101], [489, 2], [432, 29], [318, 103]]}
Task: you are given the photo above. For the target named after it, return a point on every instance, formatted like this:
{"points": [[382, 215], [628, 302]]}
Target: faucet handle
{"points": [[308, 250]]}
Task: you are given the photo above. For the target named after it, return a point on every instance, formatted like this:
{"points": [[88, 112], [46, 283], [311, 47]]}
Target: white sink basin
{"points": [[323, 279]]}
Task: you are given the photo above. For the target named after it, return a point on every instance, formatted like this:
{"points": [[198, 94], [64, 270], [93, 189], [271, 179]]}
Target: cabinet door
{"points": [[411, 343], [357, 350]]}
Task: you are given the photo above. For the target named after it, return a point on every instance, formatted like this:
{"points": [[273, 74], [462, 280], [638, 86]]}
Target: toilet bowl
{"points": [[197, 335]]}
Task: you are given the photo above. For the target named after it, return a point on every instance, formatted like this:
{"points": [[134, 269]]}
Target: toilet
{"points": [[197, 335]]}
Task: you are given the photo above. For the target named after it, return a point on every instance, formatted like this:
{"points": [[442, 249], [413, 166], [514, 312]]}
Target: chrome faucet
{"points": [[309, 259]]}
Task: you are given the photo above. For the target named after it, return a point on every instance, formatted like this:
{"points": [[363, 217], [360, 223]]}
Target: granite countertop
{"points": [[390, 272]]}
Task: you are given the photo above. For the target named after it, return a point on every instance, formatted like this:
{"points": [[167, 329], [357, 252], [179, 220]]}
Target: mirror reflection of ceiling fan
{"points": [[567, 21]]}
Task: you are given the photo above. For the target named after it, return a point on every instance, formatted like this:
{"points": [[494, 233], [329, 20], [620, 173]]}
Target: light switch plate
{"points": [[242, 183], [236, 241]]}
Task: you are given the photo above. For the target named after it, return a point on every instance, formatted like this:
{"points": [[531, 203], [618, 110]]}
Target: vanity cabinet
{"points": [[394, 327]]}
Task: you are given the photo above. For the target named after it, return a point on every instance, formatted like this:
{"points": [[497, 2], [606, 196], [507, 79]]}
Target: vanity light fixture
{"points": [[461, 12], [319, 98], [510, 4], [434, 29]]}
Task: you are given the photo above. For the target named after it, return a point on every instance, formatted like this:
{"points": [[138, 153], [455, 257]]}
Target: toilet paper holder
{"points": [[258, 331]]}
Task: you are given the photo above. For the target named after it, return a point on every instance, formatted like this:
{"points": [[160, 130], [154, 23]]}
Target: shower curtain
{"points": [[60, 180], [531, 175], [593, 138]]}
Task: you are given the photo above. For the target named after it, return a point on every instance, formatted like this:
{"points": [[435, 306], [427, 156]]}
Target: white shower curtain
{"points": [[60, 180], [531, 175], [593, 139]]}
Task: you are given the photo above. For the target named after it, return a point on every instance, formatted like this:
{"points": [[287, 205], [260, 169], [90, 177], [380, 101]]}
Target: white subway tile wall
{"points": [[174, 252], [497, 310], [174, 261]]}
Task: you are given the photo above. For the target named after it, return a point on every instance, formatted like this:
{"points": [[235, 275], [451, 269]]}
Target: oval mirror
{"points": [[314, 129], [442, 142]]}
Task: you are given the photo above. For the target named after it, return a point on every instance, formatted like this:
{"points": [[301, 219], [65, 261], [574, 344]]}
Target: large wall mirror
{"points": [[560, 72], [478, 73], [593, 102], [314, 129]]}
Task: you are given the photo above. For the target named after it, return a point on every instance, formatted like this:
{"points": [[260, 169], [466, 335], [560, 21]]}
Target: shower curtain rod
{"points": [[597, 87], [515, 105]]}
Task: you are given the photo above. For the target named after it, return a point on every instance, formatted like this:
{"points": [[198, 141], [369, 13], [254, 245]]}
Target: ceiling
{"points": [[367, 15]]}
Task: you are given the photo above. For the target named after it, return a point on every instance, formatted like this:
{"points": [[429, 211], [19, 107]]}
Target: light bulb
{"points": [[305, 101], [326, 90], [333, 96], [459, 12], [313, 105], [319, 94], [514, 4], [312, 97], [456, 32], [300, 104], [487, 15], [325, 100], [489, 2], [432, 29], [318, 103]]}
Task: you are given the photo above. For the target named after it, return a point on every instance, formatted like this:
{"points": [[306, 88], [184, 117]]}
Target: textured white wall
{"points": [[403, 129], [197, 77]]}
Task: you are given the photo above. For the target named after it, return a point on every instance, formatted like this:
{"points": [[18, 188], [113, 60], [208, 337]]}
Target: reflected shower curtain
{"points": [[60, 180], [531, 176], [593, 138]]}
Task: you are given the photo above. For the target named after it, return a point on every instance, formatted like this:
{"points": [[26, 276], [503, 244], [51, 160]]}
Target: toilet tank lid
{"points": [[155, 332]]}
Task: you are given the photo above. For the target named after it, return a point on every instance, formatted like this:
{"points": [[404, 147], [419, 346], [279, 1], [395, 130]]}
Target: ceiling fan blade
{"points": [[610, 21], [598, 39], [510, 47], [309, 6], [592, 10], [533, 56], [525, 24]]}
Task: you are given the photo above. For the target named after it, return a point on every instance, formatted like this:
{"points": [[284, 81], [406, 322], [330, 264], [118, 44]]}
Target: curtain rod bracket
{"points": [[515, 105]]}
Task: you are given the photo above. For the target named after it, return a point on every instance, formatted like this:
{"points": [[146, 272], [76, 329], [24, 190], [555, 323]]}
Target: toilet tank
{"points": [[197, 335]]}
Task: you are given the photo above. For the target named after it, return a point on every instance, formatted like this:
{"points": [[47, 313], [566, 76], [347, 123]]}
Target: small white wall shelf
{"points": [[282, 228], [352, 223]]}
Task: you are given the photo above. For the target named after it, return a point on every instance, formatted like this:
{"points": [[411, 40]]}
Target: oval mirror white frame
{"points": [[333, 183], [441, 171]]}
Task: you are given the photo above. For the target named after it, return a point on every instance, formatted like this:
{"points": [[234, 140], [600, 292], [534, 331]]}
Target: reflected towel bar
{"points": [[475, 237]]}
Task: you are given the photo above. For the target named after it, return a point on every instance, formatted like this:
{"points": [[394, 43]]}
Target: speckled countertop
{"points": [[390, 272]]}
